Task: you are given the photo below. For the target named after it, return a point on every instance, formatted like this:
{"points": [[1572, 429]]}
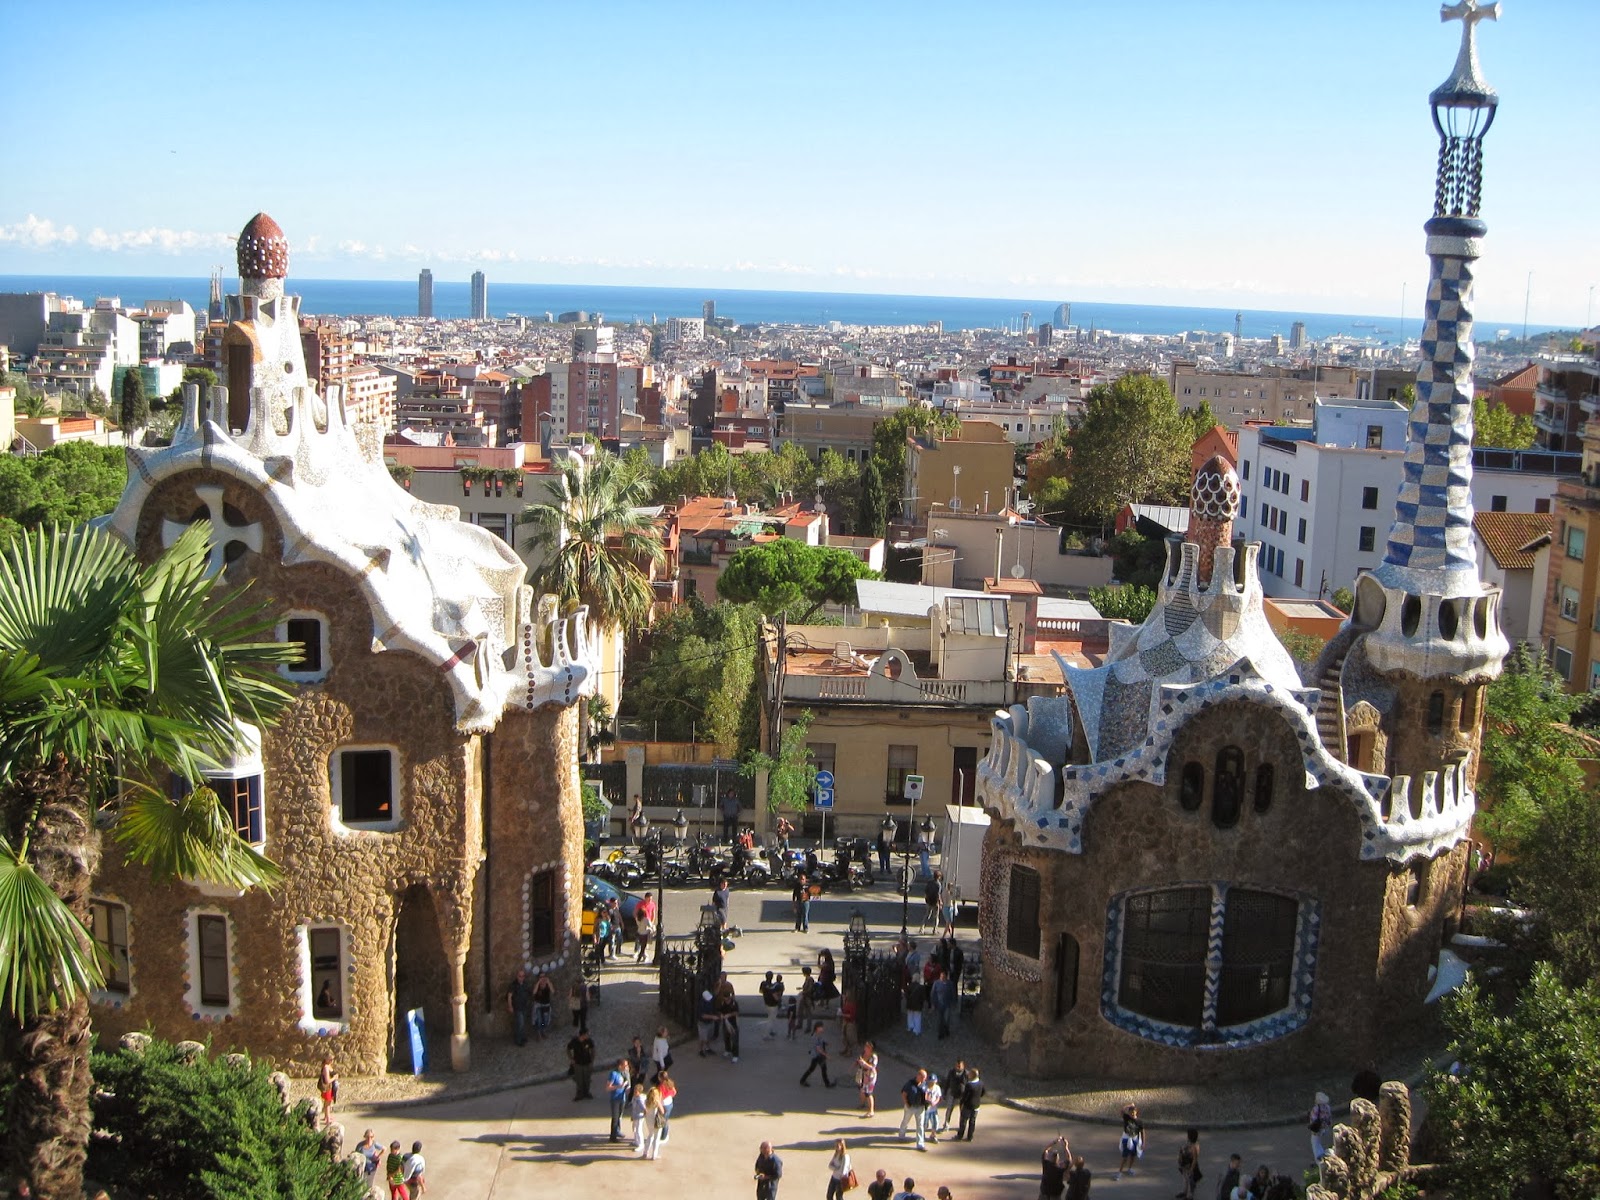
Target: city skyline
{"points": [[963, 154]]}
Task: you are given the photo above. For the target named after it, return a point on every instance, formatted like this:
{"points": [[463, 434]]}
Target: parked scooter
{"points": [[617, 866]]}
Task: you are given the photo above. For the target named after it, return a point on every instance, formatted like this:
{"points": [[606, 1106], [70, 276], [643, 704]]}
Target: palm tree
{"points": [[594, 547], [110, 672]]}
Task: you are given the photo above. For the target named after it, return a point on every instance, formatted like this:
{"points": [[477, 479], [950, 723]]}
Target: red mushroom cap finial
{"points": [[263, 250]]}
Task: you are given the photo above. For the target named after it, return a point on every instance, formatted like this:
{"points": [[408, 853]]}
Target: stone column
{"points": [[460, 1044]]}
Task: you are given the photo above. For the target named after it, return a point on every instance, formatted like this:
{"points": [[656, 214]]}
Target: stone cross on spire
{"points": [[1465, 77]]}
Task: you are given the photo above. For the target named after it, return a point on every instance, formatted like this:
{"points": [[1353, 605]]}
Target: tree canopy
{"points": [[1498, 427], [66, 485], [792, 775], [1528, 747], [693, 676], [785, 575], [1132, 445], [135, 411], [889, 441], [1522, 1117], [1130, 602]]}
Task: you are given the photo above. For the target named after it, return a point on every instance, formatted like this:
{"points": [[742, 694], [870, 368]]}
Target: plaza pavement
{"points": [[529, 1140]]}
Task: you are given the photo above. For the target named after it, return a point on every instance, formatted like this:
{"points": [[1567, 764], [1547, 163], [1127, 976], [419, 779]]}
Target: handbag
{"points": [[666, 1063], [850, 1180]]}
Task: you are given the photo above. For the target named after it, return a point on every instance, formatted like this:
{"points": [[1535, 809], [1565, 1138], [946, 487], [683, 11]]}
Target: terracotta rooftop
{"points": [[1509, 537]]}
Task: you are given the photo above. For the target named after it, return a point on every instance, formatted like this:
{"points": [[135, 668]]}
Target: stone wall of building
{"points": [[403, 897], [534, 826], [1138, 836]]}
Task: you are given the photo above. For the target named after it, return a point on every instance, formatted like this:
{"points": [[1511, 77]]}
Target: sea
{"points": [[622, 305]]}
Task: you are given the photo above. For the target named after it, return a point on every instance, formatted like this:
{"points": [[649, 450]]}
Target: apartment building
{"points": [[1271, 395], [1564, 399], [1572, 599], [815, 428], [1315, 498], [81, 350], [957, 472]]}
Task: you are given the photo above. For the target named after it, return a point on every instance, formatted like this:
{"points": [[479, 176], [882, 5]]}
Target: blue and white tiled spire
{"points": [[1426, 603]]}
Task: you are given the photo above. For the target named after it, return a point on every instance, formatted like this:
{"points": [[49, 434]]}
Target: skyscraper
{"points": [[425, 293], [1297, 335], [480, 297], [1063, 316], [708, 310]]}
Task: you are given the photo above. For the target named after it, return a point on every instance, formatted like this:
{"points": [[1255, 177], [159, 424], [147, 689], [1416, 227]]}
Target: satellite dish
{"points": [[1016, 571]]}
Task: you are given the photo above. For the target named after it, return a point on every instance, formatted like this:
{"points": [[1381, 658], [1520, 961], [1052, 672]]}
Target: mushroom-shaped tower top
{"points": [[1215, 496], [263, 250]]}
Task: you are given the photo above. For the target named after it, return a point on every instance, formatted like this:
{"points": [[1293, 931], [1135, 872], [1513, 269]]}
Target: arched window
{"points": [[1164, 954], [1227, 789], [1436, 713], [1265, 779], [1022, 912], [1192, 789]]}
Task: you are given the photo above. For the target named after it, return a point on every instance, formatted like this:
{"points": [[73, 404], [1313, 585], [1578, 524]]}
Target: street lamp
{"points": [[857, 945], [708, 939]]}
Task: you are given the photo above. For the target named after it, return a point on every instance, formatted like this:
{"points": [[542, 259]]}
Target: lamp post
{"points": [[857, 945], [680, 827]]}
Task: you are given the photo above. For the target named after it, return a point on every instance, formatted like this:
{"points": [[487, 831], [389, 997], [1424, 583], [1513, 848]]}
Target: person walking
{"points": [[1053, 1166], [519, 1003], [971, 1098], [771, 990], [932, 1094], [769, 1172], [911, 1095], [578, 1002], [1319, 1120], [1131, 1144], [955, 1082], [580, 1057], [644, 927], [653, 1124], [801, 899], [930, 896], [882, 1187], [819, 1056], [415, 1171], [867, 1073], [1189, 1164], [1078, 1180], [544, 996], [327, 1087], [728, 1014], [619, 1085], [614, 919], [706, 1012], [841, 1177], [943, 996], [370, 1149], [719, 900], [394, 1173], [916, 1000]]}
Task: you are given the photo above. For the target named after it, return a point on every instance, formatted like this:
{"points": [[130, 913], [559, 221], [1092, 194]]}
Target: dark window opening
{"points": [[1369, 497], [1417, 883], [542, 913], [1164, 955], [212, 934], [1265, 778], [1435, 713], [308, 632], [1469, 708], [366, 786], [109, 924], [1227, 789], [1022, 913], [1066, 974], [1366, 537], [1192, 788], [1258, 936]]}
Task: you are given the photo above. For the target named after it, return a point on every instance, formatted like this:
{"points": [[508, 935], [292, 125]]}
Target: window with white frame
{"points": [[1569, 603], [108, 922], [311, 631], [325, 972], [366, 786], [210, 987], [1561, 661]]}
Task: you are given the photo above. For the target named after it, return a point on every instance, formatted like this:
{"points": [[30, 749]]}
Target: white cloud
{"points": [[37, 235]]}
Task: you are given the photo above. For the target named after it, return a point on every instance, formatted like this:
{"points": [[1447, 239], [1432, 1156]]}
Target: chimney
{"points": [[1213, 503]]}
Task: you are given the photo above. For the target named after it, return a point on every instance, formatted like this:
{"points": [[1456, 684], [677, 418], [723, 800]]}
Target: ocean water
{"points": [[350, 297]]}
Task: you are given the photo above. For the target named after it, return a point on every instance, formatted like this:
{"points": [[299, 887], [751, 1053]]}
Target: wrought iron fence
{"points": [[876, 984], [687, 969]]}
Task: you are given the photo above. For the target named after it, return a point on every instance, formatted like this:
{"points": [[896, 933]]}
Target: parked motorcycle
{"points": [[617, 866]]}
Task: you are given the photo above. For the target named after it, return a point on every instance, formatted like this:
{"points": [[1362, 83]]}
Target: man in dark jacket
{"points": [[971, 1097], [769, 1170], [580, 1055]]}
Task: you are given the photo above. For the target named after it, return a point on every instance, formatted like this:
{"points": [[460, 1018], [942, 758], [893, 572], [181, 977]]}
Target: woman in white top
{"points": [[838, 1171], [654, 1118], [660, 1050]]}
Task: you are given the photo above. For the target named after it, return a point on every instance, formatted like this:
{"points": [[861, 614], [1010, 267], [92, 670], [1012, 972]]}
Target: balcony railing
{"points": [[878, 689]]}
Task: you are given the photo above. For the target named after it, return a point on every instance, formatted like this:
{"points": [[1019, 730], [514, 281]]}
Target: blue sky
{"points": [[1267, 153]]}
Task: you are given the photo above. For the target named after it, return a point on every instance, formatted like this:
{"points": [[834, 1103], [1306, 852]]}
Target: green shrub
{"points": [[205, 1131]]}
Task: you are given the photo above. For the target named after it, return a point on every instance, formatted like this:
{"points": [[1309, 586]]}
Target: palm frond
{"points": [[46, 955], [189, 838], [62, 595]]}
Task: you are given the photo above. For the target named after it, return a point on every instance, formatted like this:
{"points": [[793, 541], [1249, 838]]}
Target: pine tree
{"points": [[873, 507], [135, 406]]}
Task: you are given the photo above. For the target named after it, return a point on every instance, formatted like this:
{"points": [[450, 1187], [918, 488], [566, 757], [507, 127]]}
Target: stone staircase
{"points": [[1330, 703]]}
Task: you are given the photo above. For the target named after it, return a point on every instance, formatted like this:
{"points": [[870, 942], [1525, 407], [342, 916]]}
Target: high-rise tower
{"points": [[425, 293], [480, 297]]}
